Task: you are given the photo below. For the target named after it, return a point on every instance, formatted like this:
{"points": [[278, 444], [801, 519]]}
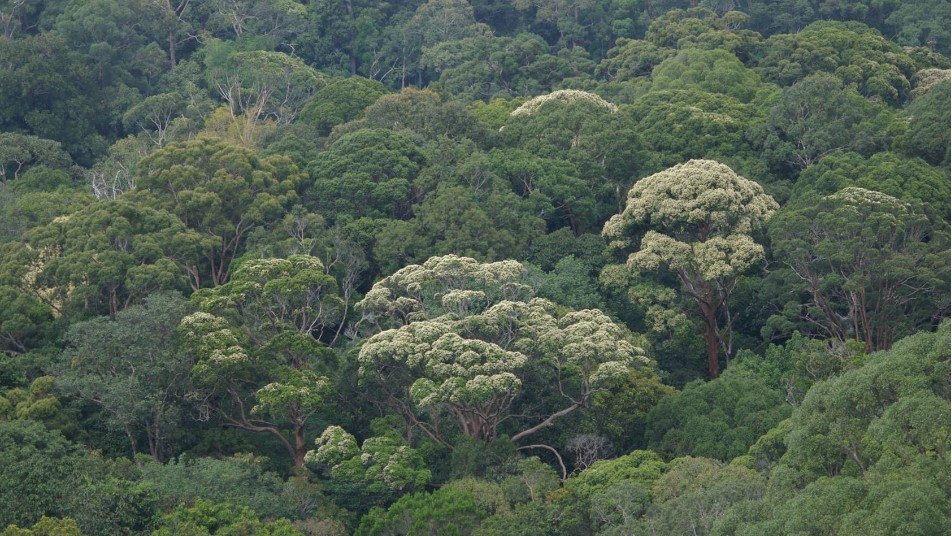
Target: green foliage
{"points": [[877, 415], [258, 338], [610, 489], [129, 367], [719, 419], [632, 58], [855, 53], [382, 464], [46, 526], [340, 101], [476, 357], [621, 414], [220, 191], [112, 254], [39, 469], [711, 71], [24, 320], [799, 363], [815, 117], [220, 519], [279, 158], [490, 226], [694, 494], [19, 153], [50, 92], [241, 480], [449, 511], [367, 172], [698, 220], [906, 179], [926, 136], [641, 466], [112, 499], [424, 113], [867, 265], [678, 125]]}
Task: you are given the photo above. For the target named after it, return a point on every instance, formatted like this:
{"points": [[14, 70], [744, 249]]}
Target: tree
{"points": [[50, 92], [853, 52], [927, 136], [154, 116], [488, 225], [19, 15], [220, 191], [39, 469], [584, 129], [868, 266], [367, 172], [340, 101], [24, 320], [697, 220], [466, 338], [445, 511], [909, 179], [547, 179], [257, 342], [631, 59], [711, 71], [20, 152], [813, 118], [424, 114], [684, 124], [112, 254], [46, 526], [612, 489], [925, 25], [130, 367], [241, 480], [384, 465], [207, 517], [695, 493], [260, 86], [676, 24]]}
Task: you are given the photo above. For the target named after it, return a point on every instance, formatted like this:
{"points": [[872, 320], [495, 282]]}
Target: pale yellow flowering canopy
{"points": [[567, 96], [696, 217]]}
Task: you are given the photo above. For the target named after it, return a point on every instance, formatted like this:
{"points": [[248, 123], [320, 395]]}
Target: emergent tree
{"points": [[697, 219]]}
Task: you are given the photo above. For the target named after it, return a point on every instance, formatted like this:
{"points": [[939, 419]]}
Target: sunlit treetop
{"points": [[565, 96]]}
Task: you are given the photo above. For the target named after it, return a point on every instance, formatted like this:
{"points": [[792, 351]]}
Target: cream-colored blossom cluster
{"points": [[333, 447], [699, 216], [566, 96], [450, 282]]}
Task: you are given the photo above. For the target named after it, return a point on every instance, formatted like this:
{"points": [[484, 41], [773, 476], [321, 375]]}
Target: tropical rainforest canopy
{"points": [[487, 267]]}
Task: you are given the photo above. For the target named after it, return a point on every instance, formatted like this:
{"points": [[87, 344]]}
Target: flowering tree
{"points": [[696, 219], [256, 343], [465, 338]]}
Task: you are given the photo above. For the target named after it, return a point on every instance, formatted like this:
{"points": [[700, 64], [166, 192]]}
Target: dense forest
{"points": [[487, 267]]}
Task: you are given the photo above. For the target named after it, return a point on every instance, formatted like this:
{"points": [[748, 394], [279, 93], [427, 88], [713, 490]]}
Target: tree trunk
{"points": [[710, 338], [300, 445], [171, 49]]}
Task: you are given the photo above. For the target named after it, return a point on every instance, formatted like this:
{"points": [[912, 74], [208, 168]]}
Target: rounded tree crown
{"points": [[694, 201]]}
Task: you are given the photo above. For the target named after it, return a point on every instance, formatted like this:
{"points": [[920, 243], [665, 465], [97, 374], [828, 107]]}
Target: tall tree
{"points": [[130, 367], [112, 254], [465, 338], [259, 359], [869, 267], [698, 220], [259, 86], [219, 190]]}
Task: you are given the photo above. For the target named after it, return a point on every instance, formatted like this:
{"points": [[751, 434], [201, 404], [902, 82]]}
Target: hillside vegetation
{"points": [[568, 267]]}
